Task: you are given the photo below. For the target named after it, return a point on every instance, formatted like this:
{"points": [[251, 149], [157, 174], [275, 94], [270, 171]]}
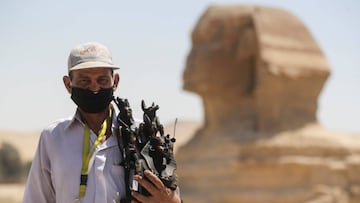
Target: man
{"points": [[78, 159]]}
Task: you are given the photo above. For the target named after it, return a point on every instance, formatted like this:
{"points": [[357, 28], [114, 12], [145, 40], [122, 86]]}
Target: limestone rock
{"points": [[308, 165], [255, 66], [259, 73]]}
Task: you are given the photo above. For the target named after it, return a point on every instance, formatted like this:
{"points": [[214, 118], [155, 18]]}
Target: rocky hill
{"points": [[24, 142]]}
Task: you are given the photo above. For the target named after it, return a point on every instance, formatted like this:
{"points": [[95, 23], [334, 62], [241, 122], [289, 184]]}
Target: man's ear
{"points": [[67, 83], [116, 81]]}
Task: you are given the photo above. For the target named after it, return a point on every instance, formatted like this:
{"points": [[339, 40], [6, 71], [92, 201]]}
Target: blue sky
{"points": [[150, 41]]}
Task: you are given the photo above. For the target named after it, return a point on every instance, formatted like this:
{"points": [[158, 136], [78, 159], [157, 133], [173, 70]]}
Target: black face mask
{"points": [[92, 102]]}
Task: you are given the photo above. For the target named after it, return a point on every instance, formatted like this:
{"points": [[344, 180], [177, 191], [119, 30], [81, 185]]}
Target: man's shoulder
{"points": [[58, 125]]}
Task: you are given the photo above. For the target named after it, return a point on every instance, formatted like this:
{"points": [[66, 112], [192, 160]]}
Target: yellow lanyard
{"points": [[87, 153]]}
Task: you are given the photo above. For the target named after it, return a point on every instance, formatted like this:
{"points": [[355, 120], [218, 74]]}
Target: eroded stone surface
{"points": [[259, 73], [256, 67]]}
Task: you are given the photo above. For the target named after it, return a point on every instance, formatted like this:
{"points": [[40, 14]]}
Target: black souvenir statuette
{"points": [[145, 147]]}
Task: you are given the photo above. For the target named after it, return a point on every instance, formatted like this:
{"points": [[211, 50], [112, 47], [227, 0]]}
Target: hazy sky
{"points": [[150, 41]]}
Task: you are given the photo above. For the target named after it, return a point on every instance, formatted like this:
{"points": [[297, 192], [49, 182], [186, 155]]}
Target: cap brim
{"points": [[93, 64]]}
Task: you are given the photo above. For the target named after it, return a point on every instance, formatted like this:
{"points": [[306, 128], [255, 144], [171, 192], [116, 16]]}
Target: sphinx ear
{"points": [[246, 44], [67, 83]]}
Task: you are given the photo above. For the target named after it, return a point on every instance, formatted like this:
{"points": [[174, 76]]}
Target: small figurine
{"points": [[145, 147]]}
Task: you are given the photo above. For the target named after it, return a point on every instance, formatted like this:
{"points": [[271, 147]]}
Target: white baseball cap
{"points": [[90, 55]]}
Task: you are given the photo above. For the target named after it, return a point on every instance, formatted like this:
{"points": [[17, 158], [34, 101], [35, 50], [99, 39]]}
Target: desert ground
{"points": [[26, 143]]}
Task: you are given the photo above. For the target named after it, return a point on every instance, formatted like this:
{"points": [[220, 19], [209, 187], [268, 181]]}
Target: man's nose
{"points": [[94, 87]]}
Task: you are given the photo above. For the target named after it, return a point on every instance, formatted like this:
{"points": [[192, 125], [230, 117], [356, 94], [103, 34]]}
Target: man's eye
{"points": [[103, 80], [84, 81]]}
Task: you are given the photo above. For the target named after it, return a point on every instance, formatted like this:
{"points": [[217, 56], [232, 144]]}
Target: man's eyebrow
{"points": [[83, 76], [104, 76]]}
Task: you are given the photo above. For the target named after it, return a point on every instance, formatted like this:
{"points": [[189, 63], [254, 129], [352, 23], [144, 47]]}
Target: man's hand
{"points": [[159, 193]]}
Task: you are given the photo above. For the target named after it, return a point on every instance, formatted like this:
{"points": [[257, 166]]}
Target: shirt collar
{"points": [[75, 119]]}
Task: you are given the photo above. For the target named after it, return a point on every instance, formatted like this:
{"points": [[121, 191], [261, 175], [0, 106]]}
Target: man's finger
{"points": [[134, 201], [146, 184], [139, 197], [154, 180]]}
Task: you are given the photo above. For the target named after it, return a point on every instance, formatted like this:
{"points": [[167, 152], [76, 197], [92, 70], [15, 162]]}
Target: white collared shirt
{"points": [[55, 172]]}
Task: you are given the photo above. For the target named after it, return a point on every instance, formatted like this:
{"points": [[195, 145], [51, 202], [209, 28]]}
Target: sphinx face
{"points": [[205, 57], [215, 62]]}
